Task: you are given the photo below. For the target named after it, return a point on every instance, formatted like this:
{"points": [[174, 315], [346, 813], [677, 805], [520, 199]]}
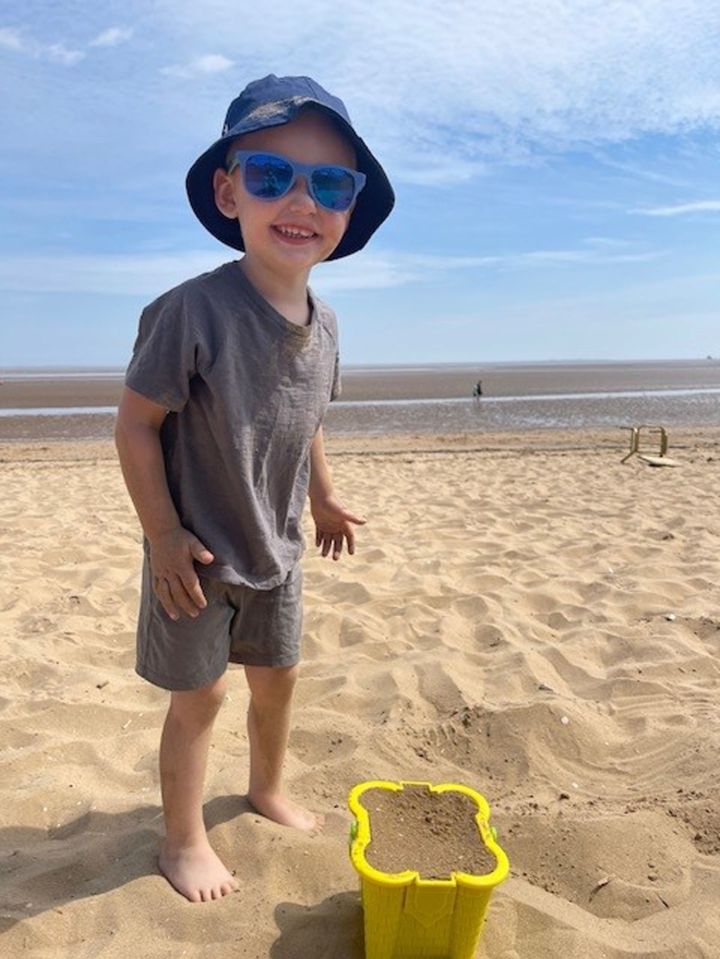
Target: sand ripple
{"points": [[541, 625]]}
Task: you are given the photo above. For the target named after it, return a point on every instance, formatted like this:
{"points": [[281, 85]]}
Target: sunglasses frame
{"points": [[241, 157]]}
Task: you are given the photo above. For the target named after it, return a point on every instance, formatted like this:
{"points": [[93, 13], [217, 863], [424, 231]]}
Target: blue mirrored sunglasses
{"points": [[268, 176]]}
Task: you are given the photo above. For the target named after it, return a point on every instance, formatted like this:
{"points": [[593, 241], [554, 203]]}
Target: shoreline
{"points": [[688, 439], [25, 389], [430, 400]]}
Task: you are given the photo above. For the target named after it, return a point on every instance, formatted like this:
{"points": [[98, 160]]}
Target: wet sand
{"points": [[405, 383], [526, 379], [398, 400], [29, 394]]}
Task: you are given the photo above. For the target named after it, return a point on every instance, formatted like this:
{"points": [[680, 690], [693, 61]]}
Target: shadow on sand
{"points": [[44, 869], [331, 930]]}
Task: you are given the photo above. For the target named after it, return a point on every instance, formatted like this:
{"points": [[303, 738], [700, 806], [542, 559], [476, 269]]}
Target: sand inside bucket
{"points": [[432, 833]]}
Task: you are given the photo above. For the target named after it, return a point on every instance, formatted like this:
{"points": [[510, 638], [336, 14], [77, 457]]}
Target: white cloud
{"points": [[680, 209], [639, 172], [60, 54], [149, 274], [55, 52], [112, 37], [607, 242], [365, 271], [371, 270], [584, 256], [10, 39], [210, 63], [113, 274], [438, 171], [442, 90], [491, 79]]}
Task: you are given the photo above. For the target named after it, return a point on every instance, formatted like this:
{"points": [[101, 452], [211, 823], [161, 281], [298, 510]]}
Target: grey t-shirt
{"points": [[247, 391]]}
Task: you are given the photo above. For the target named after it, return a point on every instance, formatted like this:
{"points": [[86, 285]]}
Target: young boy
{"points": [[220, 440]]}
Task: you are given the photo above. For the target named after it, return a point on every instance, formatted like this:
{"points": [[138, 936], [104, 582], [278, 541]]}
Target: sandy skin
{"points": [[195, 870]]}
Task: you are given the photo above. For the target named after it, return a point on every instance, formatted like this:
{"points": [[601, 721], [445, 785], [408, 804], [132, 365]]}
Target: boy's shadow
{"points": [[331, 930], [45, 869]]}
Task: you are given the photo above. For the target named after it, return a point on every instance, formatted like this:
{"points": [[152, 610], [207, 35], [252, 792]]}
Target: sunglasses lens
{"points": [[266, 176], [333, 187]]}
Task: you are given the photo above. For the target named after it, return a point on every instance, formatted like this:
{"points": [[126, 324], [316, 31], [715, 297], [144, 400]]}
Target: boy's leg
{"points": [[186, 857], [271, 690]]}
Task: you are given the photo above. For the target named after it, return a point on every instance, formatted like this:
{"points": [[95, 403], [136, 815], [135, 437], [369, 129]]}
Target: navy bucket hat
{"points": [[274, 101]]}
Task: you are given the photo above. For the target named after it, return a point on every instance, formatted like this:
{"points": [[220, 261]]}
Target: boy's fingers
{"points": [[201, 553], [197, 596], [181, 597], [337, 545], [358, 520], [162, 591], [334, 541], [194, 590]]}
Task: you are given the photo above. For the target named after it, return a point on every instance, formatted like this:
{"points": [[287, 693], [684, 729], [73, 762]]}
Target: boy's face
{"points": [[266, 224]]}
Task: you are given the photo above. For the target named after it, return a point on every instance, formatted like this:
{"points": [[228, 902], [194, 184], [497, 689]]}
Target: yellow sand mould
{"points": [[407, 917]]}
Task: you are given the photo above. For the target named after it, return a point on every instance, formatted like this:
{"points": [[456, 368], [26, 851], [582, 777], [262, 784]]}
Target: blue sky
{"points": [[555, 164]]}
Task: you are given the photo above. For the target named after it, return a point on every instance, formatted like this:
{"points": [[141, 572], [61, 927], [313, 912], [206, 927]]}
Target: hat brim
{"points": [[372, 207]]}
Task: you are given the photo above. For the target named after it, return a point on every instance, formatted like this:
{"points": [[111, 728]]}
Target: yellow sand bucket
{"points": [[407, 917]]}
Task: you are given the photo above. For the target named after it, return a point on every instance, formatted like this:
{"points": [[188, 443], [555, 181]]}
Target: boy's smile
{"points": [[288, 236], [294, 234]]}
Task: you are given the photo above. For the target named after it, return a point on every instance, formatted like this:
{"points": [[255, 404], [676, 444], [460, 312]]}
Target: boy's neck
{"points": [[288, 295]]}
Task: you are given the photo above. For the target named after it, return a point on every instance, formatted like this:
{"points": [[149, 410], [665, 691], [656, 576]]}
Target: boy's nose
{"points": [[300, 195]]}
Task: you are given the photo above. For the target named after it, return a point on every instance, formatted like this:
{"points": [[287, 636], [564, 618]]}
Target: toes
{"points": [[214, 892]]}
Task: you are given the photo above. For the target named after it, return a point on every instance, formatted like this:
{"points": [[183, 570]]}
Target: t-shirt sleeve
{"points": [[336, 388], [164, 358]]}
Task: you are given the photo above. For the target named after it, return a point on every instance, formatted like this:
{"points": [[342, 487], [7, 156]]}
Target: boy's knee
{"points": [[271, 685], [199, 704]]}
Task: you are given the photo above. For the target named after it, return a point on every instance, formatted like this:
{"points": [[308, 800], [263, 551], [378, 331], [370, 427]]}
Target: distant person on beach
{"points": [[219, 434], [477, 390]]}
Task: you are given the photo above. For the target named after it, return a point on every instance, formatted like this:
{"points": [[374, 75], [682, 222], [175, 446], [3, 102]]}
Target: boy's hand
{"points": [[333, 523], [175, 581]]}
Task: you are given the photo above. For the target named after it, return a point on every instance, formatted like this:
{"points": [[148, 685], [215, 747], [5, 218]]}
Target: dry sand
{"points": [[499, 589]]}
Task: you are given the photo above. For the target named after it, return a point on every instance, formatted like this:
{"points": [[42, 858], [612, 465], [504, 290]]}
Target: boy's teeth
{"points": [[287, 231]]}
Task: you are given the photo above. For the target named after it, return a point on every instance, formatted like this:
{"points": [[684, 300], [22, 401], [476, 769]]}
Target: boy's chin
{"points": [[299, 255]]}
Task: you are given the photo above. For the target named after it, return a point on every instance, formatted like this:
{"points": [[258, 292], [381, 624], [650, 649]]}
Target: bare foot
{"points": [[286, 812], [195, 871]]}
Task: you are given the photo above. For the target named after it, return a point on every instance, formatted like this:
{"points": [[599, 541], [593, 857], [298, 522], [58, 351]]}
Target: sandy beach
{"points": [[524, 615]]}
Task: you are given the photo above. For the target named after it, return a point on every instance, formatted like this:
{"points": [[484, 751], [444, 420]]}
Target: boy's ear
{"points": [[224, 194]]}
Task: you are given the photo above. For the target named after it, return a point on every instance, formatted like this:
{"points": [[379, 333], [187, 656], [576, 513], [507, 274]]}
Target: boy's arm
{"points": [[172, 548], [333, 522]]}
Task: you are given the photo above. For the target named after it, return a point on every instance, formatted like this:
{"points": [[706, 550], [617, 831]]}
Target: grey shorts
{"points": [[254, 627]]}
